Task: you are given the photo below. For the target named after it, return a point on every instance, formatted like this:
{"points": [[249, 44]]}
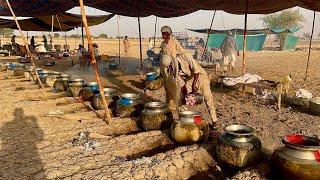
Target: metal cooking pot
{"points": [[298, 159], [238, 147], [94, 87], [128, 99], [152, 76], [193, 117]]}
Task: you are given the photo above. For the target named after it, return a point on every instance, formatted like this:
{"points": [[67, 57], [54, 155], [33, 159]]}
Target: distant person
{"points": [[229, 50], [45, 42], [126, 45], [201, 42], [32, 43], [13, 40], [151, 44], [96, 51]]}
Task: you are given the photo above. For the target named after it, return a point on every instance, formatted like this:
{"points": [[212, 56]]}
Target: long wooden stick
{"points": [[93, 61], [65, 34], [140, 41], [245, 40], [310, 43], [25, 43], [208, 33], [118, 24], [155, 33]]}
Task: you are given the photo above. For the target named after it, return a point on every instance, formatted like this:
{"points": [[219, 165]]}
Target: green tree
{"points": [[284, 20], [5, 32], [103, 35], [56, 35]]}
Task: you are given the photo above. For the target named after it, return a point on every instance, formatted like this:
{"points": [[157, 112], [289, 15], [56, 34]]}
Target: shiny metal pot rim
{"points": [[131, 96], [315, 100], [304, 147], [75, 84], [92, 84], [239, 130], [155, 104]]}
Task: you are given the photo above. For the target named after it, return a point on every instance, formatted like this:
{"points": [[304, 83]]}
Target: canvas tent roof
{"points": [[249, 32], [162, 8], [43, 23]]}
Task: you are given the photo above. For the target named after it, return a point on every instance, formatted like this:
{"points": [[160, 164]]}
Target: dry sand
{"points": [[34, 145]]}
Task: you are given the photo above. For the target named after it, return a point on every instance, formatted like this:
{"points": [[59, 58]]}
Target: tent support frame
{"points": [[245, 40], [26, 44], [310, 44], [94, 62], [140, 44]]}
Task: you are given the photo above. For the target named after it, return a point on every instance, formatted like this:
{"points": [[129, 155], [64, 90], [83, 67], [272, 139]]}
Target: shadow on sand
{"points": [[19, 156]]}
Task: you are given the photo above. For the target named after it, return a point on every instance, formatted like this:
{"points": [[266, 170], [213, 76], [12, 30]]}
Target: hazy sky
{"points": [[199, 19]]}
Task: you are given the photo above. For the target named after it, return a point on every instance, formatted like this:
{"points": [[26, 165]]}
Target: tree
{"points": [[103, 35], [285, 20], [56, 35], [5, 32]]}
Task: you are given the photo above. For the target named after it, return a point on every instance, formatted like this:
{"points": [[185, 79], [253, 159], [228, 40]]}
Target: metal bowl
{"points": [[93, 86], [239, 130]]}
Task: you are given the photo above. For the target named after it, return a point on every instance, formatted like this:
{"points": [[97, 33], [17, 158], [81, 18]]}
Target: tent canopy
{"points": [[162, 8], [249, 32], [43, 23]]}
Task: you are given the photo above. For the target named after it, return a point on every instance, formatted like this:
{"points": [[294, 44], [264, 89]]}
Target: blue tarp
{"points": [[254, 42]]}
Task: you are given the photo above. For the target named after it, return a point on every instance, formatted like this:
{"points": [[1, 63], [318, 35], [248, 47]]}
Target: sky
{"points": [[197, 20]]}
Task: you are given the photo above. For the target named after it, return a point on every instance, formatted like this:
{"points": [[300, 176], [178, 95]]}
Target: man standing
{"points": [[169, 46], [126, 45], [229, 50], [190, 77]]}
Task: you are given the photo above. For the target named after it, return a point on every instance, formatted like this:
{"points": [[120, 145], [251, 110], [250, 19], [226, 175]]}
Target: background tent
{"points": [[255, 37], [44, 23], [163, 8]]}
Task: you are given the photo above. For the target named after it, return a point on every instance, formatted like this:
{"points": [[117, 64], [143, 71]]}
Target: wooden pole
{"points": [[93, 61], [155, 33], [65, 33], [82, 36], [310, 43], [140, 40], [25, 43], [245, 40], [208, 33], [119, 41]]}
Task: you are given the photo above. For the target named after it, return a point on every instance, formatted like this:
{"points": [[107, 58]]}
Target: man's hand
{"points": [[194, 84], [238, 53]]}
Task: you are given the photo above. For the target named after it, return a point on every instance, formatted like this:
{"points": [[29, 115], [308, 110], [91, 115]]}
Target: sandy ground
{"points": [[34, 145]]}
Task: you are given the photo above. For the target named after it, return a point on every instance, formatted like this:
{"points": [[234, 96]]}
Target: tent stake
{"points": [[93, 61], [310, 43], [25, 43], [245, 40], [140, 40], [118, 38]]}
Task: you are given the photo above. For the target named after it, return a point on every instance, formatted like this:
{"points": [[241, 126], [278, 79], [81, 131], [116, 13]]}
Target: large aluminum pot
{"points": [[190, 128], [298, 159], [51, 78], [238, 147], [128, 105], [156, 116], [61, 83], [43, 76], [74, 88], [97, 102]]}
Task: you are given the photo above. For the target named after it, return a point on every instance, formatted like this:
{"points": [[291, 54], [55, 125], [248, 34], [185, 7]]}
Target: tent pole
{"points": [[208, 32], [65, 35], [82, 36], [26, 44], [245, 40], [94, 62], [155, 32], [310, 43], [118, 24], [140, 40]]}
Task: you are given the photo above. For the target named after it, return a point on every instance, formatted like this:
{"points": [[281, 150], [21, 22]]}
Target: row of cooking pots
{"points": [[237, 146]]}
